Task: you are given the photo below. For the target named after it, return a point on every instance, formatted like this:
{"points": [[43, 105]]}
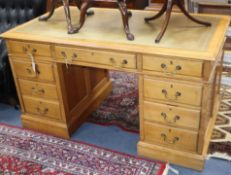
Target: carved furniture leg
{"points": [[83, 11], [125, 16], [70, 27], [182, 8], [167, 7], [159, 14], [165, 24], [51, 12]]}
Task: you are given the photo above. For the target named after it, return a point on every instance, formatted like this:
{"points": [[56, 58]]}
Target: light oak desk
{"points": [[178, 78]]}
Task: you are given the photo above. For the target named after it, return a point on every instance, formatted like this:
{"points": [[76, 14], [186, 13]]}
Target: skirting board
{"points": [[185, 159]]}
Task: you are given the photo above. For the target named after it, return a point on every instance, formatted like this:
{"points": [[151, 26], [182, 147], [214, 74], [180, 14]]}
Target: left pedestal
{"points": [[55, 99]]}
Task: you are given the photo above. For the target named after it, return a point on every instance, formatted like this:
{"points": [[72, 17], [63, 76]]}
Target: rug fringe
{"points": [[169, 168]]}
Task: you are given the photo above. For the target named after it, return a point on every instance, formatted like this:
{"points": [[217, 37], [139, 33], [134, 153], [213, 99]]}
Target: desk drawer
{"points": [[171, 67], [172, 91], [43, 108], [114, 59], [24, 70], [170, 137], [36, 89], [171, 115], [27, 48]]}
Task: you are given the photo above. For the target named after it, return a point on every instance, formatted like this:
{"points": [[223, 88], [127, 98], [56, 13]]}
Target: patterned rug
{"points": [[121, 109], [24, 152], [121, 106]]}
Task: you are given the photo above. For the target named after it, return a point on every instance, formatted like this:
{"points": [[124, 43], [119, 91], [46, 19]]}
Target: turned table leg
{"points": [[125, 16], [165, 24], [81, 6], [159, 14], [167, 7], [70, 27], [83, 12]]}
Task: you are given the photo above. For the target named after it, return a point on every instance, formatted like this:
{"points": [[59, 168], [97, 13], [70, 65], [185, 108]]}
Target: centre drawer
{"points": [[114, 59], [171, 137], [171, 115], [44, 71], [173, 91], [43, 108], [41, 90]]}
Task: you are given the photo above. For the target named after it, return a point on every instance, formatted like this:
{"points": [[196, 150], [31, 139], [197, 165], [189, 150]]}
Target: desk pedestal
{"points": [[80, 90]]}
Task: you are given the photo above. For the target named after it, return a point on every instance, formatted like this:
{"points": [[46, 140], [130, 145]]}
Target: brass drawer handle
{"points": [[43, 111], [74, 56], [166, 140], [27, 49], [123, 63], [30, 72], [38, 91], [34, 50], [178, 68], [176, 96], [113, 63], [163, 66], [174, 120], [30, 53], [41, 91], [168, 73], [64, 54], [112, 60], [24, 48]]}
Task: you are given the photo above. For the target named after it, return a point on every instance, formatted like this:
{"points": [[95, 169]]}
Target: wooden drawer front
{"points": [[117, 60], [172, 137], [172, 92], [24, 69], [36, 89], [172, 67], [29, 48], [44, 108], [171, 115]]}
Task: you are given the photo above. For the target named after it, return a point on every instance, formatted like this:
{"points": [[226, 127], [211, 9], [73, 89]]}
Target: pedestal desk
{"points": [[179, 78]]}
